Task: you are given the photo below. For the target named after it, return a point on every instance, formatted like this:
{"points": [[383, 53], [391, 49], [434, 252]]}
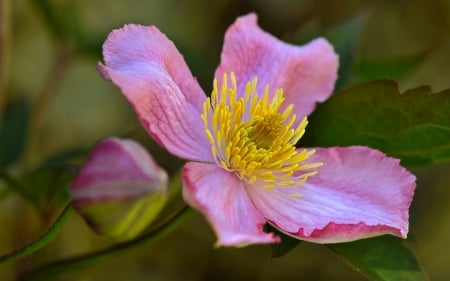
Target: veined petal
{"points": [[306, 73], [221, 197], [117, 161], [155, 79], [120, 189], [358, 192]]}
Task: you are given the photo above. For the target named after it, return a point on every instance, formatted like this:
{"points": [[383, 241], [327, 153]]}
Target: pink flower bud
{"points": [[120, 189]]}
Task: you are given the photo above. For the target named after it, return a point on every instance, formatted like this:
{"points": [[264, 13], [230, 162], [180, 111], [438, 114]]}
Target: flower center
{"points": [[253, 138]]}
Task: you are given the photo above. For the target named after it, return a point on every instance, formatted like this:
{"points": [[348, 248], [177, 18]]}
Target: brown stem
{"points": [[53, 81], [61, 62], [5, 49]]}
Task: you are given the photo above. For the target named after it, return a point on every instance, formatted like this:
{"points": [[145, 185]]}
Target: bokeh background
{"points": [[49, 51]]}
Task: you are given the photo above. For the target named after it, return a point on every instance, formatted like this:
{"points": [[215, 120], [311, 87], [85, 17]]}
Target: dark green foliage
{"points": [[13, 132], [384, 258], [413, 126]]}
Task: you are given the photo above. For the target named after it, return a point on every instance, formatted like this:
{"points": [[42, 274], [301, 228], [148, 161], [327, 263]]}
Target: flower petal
{"points": [[221, 197], [357, 193], [306, 73], [120, 189], [155, 79]]}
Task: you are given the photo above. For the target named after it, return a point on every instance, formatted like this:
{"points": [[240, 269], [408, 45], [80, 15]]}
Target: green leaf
{"points": [[66, 158], [13, 132], [344, 38], [63, 19], [384, 258], [414, 126], [50, 17], [47, 185], [287, 243], [48, 182]]}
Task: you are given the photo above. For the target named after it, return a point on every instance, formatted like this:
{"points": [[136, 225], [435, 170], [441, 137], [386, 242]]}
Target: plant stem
{"points": [[41, 241], [5, 49], [52, 270], [62, 60]]}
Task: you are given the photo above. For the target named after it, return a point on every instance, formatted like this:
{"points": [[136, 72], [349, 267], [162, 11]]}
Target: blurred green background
{"points": [[49, 52]]}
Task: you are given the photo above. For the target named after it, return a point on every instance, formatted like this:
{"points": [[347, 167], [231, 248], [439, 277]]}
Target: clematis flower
{"points": [[244, 169], [120, 189]]}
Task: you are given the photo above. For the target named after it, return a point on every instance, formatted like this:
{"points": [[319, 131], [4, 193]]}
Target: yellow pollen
{"points": [[253, 137]]}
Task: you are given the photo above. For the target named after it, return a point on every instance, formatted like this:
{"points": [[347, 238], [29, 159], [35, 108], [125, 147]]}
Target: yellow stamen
{"points": [[252, 137]]}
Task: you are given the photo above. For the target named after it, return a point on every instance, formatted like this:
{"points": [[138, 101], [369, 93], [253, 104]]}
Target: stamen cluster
{"points": [[250, 136]]}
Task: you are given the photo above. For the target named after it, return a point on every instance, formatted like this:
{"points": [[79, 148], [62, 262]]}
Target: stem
{"points": [[61, 62], [5, 48], [41, 241], [52, 270]]}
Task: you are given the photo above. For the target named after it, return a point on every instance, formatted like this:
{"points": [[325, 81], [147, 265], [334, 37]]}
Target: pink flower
{"points": [[245, 170], [120, 189]]}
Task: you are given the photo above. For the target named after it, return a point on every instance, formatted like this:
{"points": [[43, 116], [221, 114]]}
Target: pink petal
{"points": [[117, 168], [120, 189], [155, 79], [306, 73], [221, 197], [358, 193]]}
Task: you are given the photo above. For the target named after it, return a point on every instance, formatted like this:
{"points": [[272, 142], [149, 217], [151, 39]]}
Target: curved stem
{"points": [[49, 271], [41, 241]]}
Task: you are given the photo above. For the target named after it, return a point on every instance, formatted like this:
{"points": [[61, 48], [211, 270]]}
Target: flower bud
{"points": [[120, 189]]}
